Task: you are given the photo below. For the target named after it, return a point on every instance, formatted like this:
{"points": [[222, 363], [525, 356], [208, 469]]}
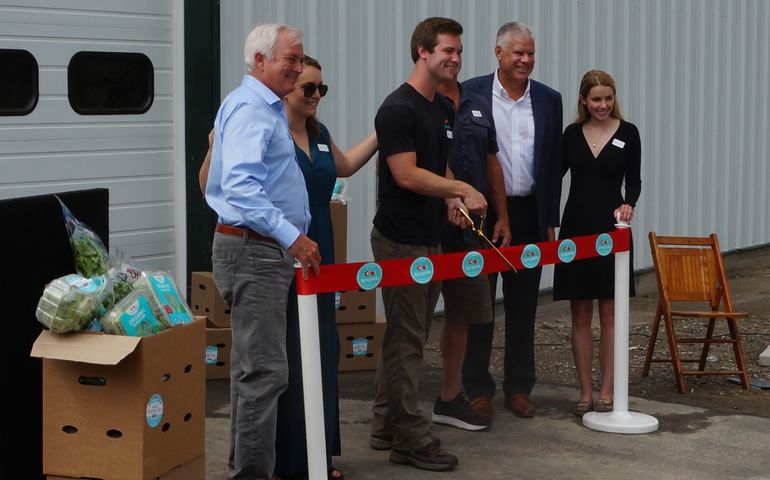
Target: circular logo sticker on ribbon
{"points": [[473, 264], [369, 276], [530, 256], [603, 244], [567, 250], [154, 410], [421, 270]]}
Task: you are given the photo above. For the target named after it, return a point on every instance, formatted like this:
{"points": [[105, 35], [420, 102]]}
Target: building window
{"points": [[110, 83], [18, 82]]}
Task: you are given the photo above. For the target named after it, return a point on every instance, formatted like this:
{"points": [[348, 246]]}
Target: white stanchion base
{"points": [[620, 422]]}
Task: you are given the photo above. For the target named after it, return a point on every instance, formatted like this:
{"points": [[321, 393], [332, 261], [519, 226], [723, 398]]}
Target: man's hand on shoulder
{"points": [[306, 252]]}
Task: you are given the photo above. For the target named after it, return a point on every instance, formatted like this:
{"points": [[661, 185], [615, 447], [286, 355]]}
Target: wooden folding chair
{"points": [[691, 277]]}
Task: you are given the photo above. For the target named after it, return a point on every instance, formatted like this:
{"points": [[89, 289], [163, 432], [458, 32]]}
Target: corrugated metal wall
{"points": [[693, 75], [137, 157]]}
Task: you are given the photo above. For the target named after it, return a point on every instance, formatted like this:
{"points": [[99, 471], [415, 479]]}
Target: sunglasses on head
{"points": [[308, 89]]}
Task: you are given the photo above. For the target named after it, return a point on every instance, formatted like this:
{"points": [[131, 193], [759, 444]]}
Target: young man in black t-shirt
{"points": [[414, 131]]}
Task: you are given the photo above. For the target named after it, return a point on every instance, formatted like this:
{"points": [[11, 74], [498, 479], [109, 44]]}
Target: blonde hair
{"points": [[591, 79]]}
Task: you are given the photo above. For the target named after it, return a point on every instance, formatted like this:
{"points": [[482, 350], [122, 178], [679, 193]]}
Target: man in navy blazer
{"points": [[528, 117]]}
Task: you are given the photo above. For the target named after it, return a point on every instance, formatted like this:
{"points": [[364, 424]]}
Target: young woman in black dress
{"points": [[601, 152]]}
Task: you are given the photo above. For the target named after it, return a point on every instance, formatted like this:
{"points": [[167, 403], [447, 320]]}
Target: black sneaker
{"points": [[429, 457], [459, 413]]}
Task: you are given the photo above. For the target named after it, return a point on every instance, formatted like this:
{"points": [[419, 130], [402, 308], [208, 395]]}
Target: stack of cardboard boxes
{"points": [[359, 328], [206, 301]]}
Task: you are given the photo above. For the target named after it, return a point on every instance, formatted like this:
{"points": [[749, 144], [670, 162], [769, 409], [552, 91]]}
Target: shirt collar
{"points": [[499, 90], [265, 93]]}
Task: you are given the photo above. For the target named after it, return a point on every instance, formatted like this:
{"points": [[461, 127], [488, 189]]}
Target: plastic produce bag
{"points": [[135, 316], [91, 258], [123, 273], [166, 295]]}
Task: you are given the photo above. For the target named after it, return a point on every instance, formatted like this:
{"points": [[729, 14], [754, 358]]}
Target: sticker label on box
{"points": [[154, 410], [360, 347], [211, 354]]}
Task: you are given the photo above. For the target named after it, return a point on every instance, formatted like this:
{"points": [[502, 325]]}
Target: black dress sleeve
{"points": [[633, 178]]}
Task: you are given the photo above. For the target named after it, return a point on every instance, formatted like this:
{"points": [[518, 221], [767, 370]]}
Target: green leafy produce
{"points": [[134, 316], [121, 288], [91, 259]]}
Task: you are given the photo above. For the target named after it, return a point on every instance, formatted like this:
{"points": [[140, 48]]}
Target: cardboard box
{"points": [[218, 343], [339, 211], [118, 407], [194, 470], [360, 346], [207, 301], [357, 306]]}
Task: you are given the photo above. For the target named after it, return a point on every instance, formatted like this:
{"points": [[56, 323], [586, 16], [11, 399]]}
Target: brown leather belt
{"points": [[239, 231]]}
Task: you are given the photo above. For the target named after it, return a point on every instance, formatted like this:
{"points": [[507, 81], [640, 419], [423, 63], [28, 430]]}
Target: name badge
{"points": [[322, 147], [476, 113], [449, 134], [618, 143]]}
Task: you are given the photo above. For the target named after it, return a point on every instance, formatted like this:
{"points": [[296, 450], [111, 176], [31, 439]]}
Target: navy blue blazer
{"points": [[547, 112]]}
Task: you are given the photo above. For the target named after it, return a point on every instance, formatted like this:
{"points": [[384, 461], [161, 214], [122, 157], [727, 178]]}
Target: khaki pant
{"points": [[408, 312]]}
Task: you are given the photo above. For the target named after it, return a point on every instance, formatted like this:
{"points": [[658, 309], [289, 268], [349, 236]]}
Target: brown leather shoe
{"points": [[483, 406], [521, 405]]}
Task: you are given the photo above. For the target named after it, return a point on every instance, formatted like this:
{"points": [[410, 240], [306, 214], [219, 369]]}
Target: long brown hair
{"points": [[312, 124], [591, 79]]}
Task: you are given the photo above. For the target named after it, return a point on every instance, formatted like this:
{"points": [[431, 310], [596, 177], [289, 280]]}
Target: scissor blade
{"points": [[480, 232], [499, 253]]}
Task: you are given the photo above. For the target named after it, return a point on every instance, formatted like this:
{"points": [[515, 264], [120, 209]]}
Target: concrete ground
{"points": [[691, 443]]}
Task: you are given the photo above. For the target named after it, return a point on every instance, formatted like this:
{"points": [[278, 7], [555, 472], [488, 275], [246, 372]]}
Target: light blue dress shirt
{"points": [[254, 180]]}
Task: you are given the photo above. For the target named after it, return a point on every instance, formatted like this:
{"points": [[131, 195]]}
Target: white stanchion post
{"points": [[620, 420], [311, 387]]}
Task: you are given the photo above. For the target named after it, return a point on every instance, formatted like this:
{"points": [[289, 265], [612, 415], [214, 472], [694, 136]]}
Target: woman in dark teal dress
{"points": [[321, 163]]}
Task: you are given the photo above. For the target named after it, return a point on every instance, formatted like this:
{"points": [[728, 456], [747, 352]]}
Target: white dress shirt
{"points": [[515, 125]]}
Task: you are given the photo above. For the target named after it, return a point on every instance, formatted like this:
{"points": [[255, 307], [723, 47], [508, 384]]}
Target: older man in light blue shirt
{"points": [[258, 192], [251, 183]]}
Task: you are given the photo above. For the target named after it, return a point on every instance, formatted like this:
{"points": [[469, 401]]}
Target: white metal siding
{"points": [[692, 75], [55, 149]]}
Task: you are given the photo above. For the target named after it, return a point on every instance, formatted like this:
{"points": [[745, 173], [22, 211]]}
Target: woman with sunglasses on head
{"points": [[321, 162], [603, 153]]}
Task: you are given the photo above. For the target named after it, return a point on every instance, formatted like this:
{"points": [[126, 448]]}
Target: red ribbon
{"points": [[344, 276]]}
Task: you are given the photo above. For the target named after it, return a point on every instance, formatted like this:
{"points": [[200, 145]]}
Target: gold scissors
{"points": [[480, 232]]}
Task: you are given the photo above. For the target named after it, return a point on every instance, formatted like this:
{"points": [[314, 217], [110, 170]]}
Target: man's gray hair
{"points": [[262, 39], [513, 29]]}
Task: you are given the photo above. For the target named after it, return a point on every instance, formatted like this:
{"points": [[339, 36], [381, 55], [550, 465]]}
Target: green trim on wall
{"points": [[201, 59]]}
